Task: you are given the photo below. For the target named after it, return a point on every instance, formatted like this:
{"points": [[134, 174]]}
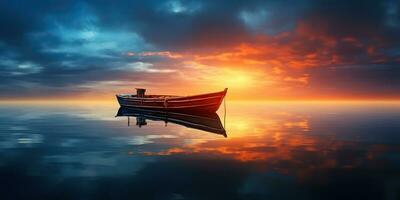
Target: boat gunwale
{"points": [[175, 98], [170, 107], [169, 100]]}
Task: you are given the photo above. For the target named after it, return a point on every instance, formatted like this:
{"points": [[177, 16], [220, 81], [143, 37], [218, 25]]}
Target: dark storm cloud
{"points": [[48, 45], [184, 25], [357, 80], [369, 23]]}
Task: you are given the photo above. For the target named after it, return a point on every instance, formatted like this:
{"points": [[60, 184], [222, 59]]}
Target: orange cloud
{"points": [[273, 66]]}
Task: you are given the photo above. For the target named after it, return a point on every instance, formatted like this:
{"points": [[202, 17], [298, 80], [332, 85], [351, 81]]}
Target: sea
{"points": [[270, 150]]}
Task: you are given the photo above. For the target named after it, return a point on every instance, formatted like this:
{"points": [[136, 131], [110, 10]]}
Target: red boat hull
{"points": [[197, 103]]}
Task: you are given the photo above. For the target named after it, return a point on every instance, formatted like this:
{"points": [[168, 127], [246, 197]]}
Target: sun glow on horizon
{"points": [[234, 79]]}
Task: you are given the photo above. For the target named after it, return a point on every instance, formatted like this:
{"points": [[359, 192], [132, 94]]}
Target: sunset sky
{"points": [[260, 50]]}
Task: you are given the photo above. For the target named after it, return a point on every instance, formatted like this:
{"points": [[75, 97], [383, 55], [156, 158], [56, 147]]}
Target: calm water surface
{"points": [[272, 151]]}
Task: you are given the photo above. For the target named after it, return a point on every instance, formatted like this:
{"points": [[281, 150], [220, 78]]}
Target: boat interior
{"points": [[147, 96]]}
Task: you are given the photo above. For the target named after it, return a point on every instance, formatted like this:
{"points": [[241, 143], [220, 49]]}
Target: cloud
{"points": [[144, 67], [46, 45]]}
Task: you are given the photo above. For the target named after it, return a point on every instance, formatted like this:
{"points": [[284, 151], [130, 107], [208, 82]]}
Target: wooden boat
{"points": [[209, 122], [208, 103]]}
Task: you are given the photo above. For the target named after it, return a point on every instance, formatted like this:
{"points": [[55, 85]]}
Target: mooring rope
{"points": [[165, 102], [224, 112]]}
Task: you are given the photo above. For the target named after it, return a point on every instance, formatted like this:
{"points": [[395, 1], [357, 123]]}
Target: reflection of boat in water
{"points": [[196, 103], [209, 122]]}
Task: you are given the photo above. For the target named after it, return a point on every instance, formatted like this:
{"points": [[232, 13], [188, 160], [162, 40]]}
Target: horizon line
{"points": [[43, 101]]}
